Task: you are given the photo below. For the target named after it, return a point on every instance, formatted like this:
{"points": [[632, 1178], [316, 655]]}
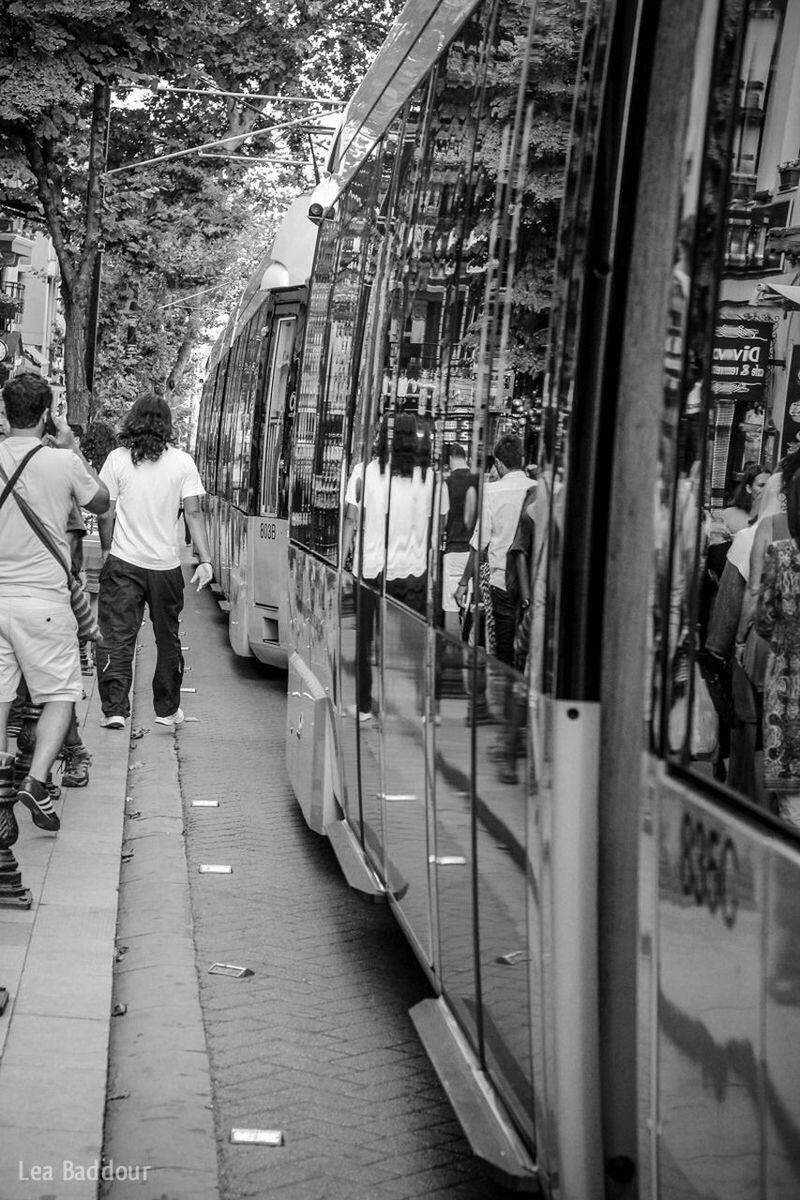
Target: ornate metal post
{"points": [[26, 739], [12, 893]]}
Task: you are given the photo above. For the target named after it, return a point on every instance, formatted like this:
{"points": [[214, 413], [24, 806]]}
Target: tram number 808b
{"points": [[267, 530], [709, 868]]}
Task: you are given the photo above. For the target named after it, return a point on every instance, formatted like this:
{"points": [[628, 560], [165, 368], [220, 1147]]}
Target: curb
{"points": [[160, 1111]]}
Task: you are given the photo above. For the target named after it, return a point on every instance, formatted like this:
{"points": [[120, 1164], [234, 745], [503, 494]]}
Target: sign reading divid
{"points": [[740, 358]]}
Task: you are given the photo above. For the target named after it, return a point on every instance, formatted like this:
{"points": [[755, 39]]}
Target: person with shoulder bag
{"points": [[38, 629]]}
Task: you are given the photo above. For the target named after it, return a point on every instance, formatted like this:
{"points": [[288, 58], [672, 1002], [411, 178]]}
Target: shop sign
{"points": [[739, 361]]}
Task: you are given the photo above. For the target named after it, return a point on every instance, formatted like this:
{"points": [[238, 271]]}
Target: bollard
{"points": [[12, 893]]}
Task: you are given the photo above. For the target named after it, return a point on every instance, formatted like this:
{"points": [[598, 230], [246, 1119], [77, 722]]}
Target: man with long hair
{"points": [[148, 480], [38, 632]]}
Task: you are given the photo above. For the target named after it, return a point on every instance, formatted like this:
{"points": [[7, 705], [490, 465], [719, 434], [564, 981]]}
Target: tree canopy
{"points": [[178, 236]]}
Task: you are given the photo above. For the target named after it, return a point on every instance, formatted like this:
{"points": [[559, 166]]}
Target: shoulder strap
{"points": [[36, 524], [10, 482]]}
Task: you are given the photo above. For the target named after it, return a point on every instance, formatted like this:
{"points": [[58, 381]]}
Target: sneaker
{"points": [[175, 718], [363, 717], [115, 721], [35, 796], [75, 766]]}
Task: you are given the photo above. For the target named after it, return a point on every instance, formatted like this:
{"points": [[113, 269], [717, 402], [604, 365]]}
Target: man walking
{"points": [[38, 632], [148, 480]]}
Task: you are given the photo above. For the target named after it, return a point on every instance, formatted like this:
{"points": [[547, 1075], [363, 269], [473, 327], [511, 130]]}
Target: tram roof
{"points": [[420, 34], [285, 263]]}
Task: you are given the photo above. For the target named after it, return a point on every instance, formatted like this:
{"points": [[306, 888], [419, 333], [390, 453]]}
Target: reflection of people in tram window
{"points": [[461, 487], [778, 621], [738, 683], [737, 514], [502, 504], [367, 485], [411, 511]]}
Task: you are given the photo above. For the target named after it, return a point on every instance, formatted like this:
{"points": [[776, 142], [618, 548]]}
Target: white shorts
{"points": [[453, 564], [39, 639]]}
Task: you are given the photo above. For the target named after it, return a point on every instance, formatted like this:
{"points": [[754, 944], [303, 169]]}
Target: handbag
{"points": [[88, 629], [754, 658], [699, 727]]}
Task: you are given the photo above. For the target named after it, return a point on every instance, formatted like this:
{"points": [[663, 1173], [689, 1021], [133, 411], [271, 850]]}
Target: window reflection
{"points": [[724, 625]]}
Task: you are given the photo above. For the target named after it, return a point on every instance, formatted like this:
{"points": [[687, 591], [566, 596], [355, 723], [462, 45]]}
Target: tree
{"points": [[60, 62], [57, 63]]}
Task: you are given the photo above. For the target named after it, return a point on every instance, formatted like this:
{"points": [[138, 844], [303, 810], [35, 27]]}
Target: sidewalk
{"points": [[56, 961]]}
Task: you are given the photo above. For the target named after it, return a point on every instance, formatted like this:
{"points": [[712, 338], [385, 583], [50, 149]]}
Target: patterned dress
{"points": [[778, 620]]}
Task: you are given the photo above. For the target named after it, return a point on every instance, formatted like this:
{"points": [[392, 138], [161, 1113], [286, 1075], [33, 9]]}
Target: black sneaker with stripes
{"points": [[36, 797]]}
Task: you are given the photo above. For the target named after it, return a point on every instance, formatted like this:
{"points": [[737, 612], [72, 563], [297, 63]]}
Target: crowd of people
{"points": [[135, 485], [397, 513], [751, 656]]}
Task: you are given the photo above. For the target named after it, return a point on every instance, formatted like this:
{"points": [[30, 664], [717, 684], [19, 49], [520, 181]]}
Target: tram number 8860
{"points": [[709, 868]]}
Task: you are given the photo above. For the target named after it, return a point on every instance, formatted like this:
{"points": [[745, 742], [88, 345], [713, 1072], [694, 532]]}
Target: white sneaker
{"points": [[117, 721], [176, 718]]}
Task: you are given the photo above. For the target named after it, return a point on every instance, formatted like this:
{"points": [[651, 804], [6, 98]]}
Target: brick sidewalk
{"points": [[56, 961]]}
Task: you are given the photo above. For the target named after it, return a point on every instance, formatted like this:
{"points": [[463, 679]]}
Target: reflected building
{"points": [[756, 360]]}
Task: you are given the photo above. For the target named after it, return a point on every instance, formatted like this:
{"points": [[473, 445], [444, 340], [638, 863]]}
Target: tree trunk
{"points": [[76, 320], [184, 351]]}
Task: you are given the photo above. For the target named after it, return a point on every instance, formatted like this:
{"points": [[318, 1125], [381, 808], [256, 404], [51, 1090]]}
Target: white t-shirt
{"points": [[148, 497], [49, 482], [411, 529], [502, 505], [374, 495]]}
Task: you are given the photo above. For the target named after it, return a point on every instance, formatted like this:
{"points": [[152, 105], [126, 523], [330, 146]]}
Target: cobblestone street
{"points": [[317, 1042]]}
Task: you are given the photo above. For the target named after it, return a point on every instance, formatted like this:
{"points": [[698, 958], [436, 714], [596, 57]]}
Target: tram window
{"points": [[242, 431], [275, 410], [726, 563], [329, 376], [233, 382]]}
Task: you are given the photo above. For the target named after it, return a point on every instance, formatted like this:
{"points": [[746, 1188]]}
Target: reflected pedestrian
{"points": [[778, 621]]}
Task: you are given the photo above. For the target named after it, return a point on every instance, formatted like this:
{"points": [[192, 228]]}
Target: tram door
{"points": [[269, 583]]}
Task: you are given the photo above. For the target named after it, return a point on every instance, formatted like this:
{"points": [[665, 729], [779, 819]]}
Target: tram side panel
{"points": [[718, 855], [440, 801]]}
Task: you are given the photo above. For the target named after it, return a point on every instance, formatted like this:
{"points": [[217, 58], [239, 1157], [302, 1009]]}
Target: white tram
{"points": [[573, 222], [244, 437]]}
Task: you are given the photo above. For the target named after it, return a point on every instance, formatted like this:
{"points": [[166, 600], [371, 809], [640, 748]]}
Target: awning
{"points": [[787, 291]]}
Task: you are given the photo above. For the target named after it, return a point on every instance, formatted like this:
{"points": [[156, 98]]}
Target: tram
{"points": [[244, 436], [563, 239]]}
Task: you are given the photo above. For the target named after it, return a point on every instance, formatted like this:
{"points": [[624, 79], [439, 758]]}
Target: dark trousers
{"points": [[367, 599], [124, 589], [505, 623]]}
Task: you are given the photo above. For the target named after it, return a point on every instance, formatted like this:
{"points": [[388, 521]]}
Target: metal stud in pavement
{"points": [[257, 1137]]}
